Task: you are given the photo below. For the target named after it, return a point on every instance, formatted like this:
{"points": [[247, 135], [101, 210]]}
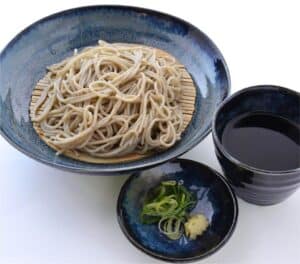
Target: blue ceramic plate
{"points": [[216, 201], [23, 62]]}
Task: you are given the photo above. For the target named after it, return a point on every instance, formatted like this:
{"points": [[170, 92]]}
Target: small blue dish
{"points": [[23, 62], [255, 185], [216, 201]]}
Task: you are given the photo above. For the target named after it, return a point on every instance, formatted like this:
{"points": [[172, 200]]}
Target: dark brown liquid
{"points": [[264, 141]]}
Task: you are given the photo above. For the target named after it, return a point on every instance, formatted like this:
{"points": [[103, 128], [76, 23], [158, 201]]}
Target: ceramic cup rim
{"points": [[221, 147]]}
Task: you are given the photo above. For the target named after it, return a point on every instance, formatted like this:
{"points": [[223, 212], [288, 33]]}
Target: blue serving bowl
{"points": [[23, 62], [215, 199], [254, 185]]}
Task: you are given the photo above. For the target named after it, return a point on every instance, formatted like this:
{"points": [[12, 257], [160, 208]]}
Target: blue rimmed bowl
{"points": [[23, 62], [215, 199]]}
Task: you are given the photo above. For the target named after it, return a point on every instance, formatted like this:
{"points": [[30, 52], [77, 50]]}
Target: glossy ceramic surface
{"points": [[24, 60], [255, 185], [216, 201]]}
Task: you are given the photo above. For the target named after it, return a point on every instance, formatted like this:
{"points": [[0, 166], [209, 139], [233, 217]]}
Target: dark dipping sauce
{"points": [[263, 141]]}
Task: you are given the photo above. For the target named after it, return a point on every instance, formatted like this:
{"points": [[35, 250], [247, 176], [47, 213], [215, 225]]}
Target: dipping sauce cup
{"points": [[258, 184]]}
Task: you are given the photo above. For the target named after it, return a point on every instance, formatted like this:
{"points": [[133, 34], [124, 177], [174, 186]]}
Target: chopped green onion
{"points": [[168, 205]]}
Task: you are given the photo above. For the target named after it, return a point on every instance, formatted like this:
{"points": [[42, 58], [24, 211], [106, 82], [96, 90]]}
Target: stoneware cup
{"points": [[255, 185]]}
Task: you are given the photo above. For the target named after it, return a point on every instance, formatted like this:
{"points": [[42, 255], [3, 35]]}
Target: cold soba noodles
{"points": [[111, 100]]}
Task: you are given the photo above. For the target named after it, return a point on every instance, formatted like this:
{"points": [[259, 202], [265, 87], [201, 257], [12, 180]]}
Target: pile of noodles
{"points": [[111, 100]]}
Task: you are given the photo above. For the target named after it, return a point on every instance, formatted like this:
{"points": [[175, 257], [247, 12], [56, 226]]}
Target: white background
{"points": [[50, 216]]}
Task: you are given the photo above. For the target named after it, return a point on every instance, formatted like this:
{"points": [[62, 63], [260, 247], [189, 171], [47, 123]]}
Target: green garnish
{"points": [[168, 205]]}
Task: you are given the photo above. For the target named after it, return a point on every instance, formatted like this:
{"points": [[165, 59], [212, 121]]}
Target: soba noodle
{"points": [[111, 100]]}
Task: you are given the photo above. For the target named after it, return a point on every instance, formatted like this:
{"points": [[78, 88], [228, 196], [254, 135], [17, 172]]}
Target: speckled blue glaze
{"points": [[254, 185], [216, 201], [24, 60]]}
